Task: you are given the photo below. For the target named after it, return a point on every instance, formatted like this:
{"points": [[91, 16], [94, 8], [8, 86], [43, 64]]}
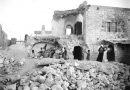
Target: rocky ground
{"points": [[50, 74], [25, 73], [75, 75]]}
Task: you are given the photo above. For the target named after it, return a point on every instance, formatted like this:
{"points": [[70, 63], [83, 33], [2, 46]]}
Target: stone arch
{"points": [[47, 44], [55, 44]]}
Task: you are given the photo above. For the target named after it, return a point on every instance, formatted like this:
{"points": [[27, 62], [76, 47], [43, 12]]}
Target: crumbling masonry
{"points": [[96, 23]]}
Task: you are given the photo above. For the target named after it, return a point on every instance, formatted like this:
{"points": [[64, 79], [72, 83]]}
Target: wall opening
{"points": [[123, 53], [69, 30], [111, 53], [77, 52], [78, 28]]}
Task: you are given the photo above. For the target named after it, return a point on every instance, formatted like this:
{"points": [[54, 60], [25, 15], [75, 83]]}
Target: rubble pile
{"points": [[10, 65], [77, 75], [1, 60]]}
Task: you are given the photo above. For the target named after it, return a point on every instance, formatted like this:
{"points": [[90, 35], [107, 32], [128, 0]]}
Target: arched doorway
{"points": [[78, 28], [77, 52]]}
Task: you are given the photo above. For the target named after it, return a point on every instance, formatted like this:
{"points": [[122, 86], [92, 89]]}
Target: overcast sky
{"points": [[19, 17]]}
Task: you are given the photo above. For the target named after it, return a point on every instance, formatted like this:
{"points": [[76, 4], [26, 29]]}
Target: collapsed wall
{"points": [[76, 75]]}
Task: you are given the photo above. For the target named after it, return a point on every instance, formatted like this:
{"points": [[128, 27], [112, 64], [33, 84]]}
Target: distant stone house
{"points": [[96, 23], [43, 32], [3, 39]]}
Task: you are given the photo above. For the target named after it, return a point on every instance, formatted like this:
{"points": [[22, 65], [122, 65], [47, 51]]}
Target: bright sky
{"points": [[20, 17]]}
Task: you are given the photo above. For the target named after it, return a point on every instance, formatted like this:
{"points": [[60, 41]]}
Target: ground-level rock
{"points": [[86, 75]]}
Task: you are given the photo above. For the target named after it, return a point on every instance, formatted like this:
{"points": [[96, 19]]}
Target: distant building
{"points": [[3, 39], [13, 41], [37, 33], [46, 33], [43, 32]]}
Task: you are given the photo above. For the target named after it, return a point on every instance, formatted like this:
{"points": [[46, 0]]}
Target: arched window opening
{"points": [[69, 30]]}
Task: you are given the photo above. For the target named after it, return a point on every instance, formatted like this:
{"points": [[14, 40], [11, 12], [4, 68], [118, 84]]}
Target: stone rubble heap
{"points": [[77, 75], [1, 60], [10, 65]]}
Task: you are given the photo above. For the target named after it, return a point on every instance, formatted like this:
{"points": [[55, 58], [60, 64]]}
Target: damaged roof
{"points": [[66, 13], [80, 10]]}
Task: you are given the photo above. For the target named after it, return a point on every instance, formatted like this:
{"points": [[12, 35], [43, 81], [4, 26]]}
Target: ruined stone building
{"points": [[3, 39], [92, 24]]}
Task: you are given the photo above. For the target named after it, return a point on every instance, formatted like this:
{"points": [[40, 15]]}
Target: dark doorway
{"points": [[77, 53], [78, 28], [123, 55], [111, 53]]}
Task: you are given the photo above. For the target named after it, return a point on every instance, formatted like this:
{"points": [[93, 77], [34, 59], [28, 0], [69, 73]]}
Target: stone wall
{"points": [[62, 19], [3, 39], [58, 27], [95, 24], [70, 20], [70, 42], [97, 18], [96, 29]]}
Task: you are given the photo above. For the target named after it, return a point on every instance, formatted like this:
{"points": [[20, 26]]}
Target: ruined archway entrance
{"points": [[78, 28], [77, 52]]}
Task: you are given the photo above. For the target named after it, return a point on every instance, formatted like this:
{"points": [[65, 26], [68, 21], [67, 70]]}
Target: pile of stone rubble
{"points": [[77, 75], [10, 65]]}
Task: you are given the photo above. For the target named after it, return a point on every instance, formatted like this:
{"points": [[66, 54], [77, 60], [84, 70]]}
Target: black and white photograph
{"points": [[64, 44]]}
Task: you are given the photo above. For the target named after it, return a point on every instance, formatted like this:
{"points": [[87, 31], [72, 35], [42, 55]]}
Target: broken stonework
{"points": [[86, 75], [11, 65], [72, 74]]}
